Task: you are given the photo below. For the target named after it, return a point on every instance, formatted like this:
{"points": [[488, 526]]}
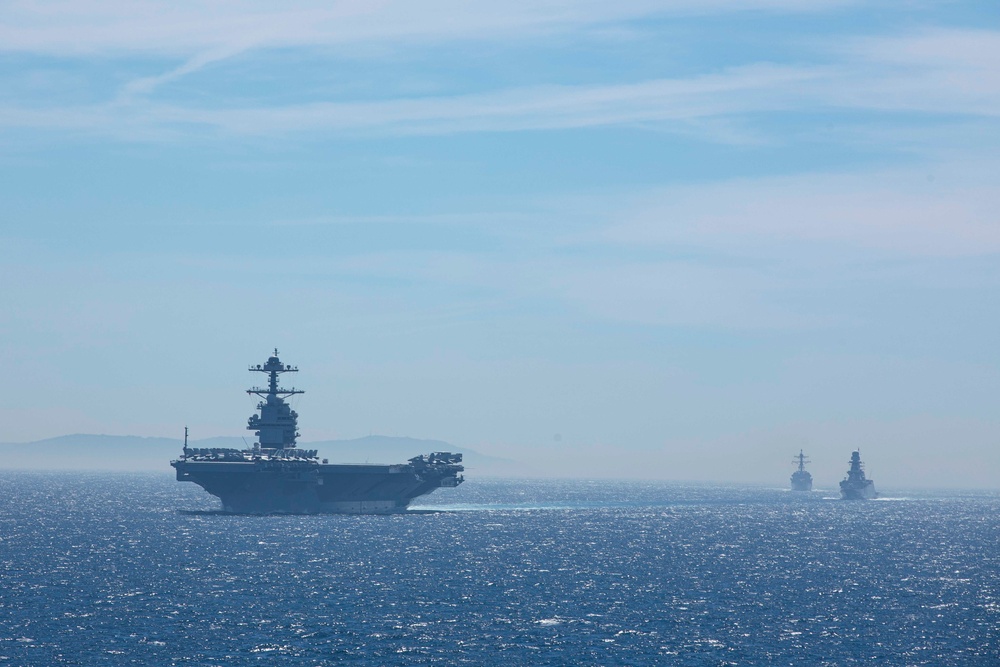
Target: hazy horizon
{"points": [[131, 453], [639, 240]]}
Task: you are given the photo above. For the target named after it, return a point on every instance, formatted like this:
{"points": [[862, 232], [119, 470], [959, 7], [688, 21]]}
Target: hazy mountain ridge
{"points": [[139, 453]]}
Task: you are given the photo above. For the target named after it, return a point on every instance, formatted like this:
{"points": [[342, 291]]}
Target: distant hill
{"points": [[135, 453]]}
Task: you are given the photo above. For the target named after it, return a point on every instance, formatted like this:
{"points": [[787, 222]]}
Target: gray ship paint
{"points": [[856, 486], [273, 476], [801, 479]]}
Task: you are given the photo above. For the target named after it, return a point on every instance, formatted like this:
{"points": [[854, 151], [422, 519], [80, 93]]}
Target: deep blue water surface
{"points": [[106, 570]]}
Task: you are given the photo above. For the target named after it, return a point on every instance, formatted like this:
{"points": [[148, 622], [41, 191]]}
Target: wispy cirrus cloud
{"points": [[146, 85], [934, 210], [89, 27], [200, 34], [748, 254], [930, 70], [930, 73], [741, 90], [686, 102]]}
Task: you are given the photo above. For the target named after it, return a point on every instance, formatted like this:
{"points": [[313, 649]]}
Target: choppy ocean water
{"points": [[103, 569]]}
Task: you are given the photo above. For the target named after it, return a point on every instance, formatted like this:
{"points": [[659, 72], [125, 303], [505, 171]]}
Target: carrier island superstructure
{"points": [[274, 476]]}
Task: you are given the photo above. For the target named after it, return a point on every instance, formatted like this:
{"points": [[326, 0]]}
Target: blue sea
{"points": [[131, 569]]}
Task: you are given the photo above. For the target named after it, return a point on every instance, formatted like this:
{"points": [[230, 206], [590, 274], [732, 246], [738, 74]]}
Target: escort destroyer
{"points": [[857, 486], [274, 476], [801, 479]]}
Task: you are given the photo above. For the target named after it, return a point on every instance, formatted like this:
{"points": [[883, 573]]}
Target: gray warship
{"points": [[857, 486], [801, 479], [273, 476]]}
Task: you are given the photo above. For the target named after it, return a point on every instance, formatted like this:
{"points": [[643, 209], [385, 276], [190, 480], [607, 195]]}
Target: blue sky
{"points": [[687, 238]]}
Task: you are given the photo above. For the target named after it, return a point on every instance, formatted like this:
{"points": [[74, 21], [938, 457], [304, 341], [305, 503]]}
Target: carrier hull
{"points": [[268, 487]]}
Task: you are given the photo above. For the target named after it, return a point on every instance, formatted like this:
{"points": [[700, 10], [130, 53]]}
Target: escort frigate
{"points": [[857, 486], [273, 476], [801, 479]]}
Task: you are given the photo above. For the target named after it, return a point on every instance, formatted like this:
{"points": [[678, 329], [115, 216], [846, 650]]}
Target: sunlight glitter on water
{"points": [[510, 572]]}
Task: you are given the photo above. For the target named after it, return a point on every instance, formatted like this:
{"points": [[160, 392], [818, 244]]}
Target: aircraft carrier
{"points": [[856, 486], [273, 476]]}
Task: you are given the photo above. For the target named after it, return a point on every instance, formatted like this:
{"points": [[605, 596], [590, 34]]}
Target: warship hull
{"points": [[864, 491], [268, 487], [802, 482]]}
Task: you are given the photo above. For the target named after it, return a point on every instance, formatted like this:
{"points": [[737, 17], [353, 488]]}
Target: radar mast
{"points": [[276, 427]]}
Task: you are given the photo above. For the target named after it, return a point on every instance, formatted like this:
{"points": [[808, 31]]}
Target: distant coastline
{"points": [[138, 453]]}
